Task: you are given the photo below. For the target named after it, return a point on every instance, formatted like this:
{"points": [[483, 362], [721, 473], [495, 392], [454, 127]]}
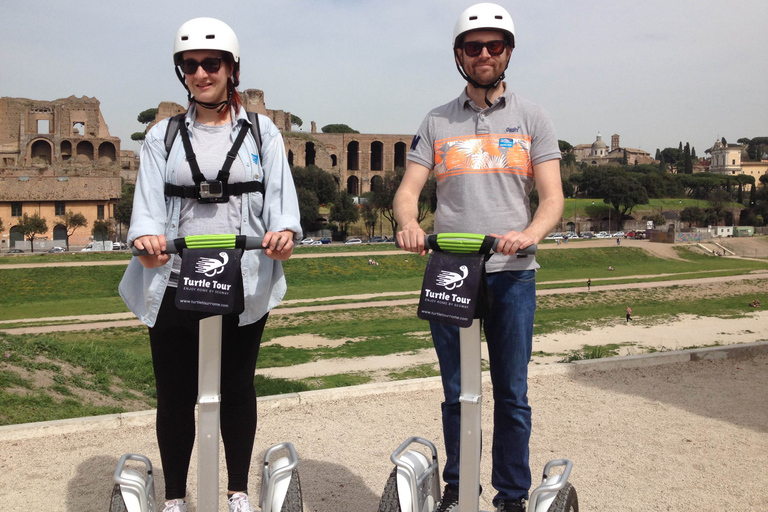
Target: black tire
{"points": [[566, 500], [293, 502], [116, 502], [389, 499]]}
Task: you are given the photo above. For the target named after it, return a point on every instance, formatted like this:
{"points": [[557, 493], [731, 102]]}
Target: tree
{"points": [[101, 230], [687, 160], [147, 116], [124, 207], [659, 221], [370, 214], [31, 226], [718, 202], [138, 137], [309, 209], [317, 180], [73, 221], [566, 151], [337, 128], [384, 196], [623, 193], [344, 211], [296, 120], [692, 215]]}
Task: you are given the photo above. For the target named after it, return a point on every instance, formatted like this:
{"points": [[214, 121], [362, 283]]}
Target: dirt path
{"points": [[683, 437]]}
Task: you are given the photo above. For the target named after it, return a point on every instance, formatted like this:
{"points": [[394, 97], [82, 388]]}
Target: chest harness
{"points": [[217, 190]]}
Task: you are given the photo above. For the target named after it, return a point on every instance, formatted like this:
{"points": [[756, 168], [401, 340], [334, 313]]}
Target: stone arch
{"points": [[400, 153], [309, 152], [376, 183], [353, 185], [66, 150], [84, 150], [290, 157], [41, 149], [334, 161], [377, 156], [59, 232], [107, 150], [353, 156]]}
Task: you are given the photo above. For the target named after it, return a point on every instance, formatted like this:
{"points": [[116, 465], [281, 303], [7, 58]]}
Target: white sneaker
{"points": [[239, 502], [175, 506]]}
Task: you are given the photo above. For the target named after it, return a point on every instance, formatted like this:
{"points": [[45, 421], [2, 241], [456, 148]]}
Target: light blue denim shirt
{"points": [[264, 284]]}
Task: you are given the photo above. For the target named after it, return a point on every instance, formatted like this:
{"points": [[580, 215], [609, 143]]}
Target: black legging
{"points": [[174, 340]]}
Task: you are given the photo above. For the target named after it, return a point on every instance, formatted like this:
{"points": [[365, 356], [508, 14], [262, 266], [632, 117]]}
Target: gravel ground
{"points": [[681, 436]]}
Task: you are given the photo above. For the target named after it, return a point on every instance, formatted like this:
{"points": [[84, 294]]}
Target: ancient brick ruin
{"points": [[57, 156]]}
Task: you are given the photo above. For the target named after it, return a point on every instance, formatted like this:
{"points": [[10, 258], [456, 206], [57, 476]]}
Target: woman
{"points": [[207, 59]]}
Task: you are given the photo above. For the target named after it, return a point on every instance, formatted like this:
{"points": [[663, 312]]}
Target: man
{"points": [[488, 148]]}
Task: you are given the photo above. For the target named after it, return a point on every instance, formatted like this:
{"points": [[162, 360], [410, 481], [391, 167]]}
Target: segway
{"points": [[134, 489], [414, 483]]}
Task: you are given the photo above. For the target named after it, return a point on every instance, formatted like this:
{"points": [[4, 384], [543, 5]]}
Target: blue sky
{"points": [[655, 72]]}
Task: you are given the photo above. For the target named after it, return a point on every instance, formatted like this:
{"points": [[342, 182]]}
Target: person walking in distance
{"points": [[629, 314], [589, 284], [488, 148]]}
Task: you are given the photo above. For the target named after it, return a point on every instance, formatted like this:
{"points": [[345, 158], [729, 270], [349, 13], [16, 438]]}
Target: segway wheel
{"points": [[566, 500], [389, 498], [116, 502], [293, 501]]}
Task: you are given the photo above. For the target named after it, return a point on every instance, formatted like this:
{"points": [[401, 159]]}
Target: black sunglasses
{"points": [[210, 65], [475, 48]]}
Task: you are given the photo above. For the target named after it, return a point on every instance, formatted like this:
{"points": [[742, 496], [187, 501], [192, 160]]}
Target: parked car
{"points": [[571, 234], [316, 242], [640, 235], [353, 241], [618, 234], [555, 236], [603, 234], [307, 241], [325, 240], [16, 251], [56, 249], [376, 240], [587, 234], [119, 246]]}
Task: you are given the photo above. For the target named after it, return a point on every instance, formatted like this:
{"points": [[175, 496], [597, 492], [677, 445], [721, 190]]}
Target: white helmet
{"points": [[485, 16], [205, 34]]}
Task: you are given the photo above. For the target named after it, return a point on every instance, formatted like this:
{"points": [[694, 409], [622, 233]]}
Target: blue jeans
{"points": [[508, 332]]}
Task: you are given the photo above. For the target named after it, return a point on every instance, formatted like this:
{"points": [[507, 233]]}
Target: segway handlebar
{"points": [[468, 243], [176, 245]]}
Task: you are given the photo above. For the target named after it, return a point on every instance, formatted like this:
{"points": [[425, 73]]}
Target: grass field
{"points": [[63, 375]]}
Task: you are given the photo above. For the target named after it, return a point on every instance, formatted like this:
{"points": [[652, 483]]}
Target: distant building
{"points": [[57, 156], [726, 158], [598, 153]]}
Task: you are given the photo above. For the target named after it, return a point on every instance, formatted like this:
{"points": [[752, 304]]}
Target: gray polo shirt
{"points": [[483, 160]]}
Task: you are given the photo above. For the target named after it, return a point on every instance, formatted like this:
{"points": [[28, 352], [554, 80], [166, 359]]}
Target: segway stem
{"points": [[209, 404], [471, 400]]}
